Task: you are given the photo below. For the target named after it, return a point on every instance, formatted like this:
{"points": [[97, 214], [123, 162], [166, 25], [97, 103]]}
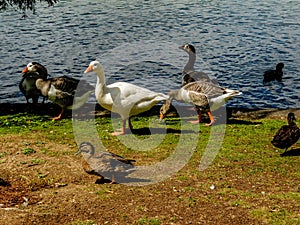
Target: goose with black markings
{"points": [[205, 96], [30, 74], [189, 74], [61, 90]]}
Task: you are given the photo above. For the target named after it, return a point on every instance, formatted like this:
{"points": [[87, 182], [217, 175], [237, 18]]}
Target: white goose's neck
{"points": [[190, 64], [101, 83]]}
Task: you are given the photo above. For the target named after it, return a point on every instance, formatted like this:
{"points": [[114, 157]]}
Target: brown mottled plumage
{"points": [[205, 96], [60, 90], [104, 164], [287, 135]]}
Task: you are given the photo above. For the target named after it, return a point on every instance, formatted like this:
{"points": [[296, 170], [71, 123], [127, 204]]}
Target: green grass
{"points": [[247, 172]]}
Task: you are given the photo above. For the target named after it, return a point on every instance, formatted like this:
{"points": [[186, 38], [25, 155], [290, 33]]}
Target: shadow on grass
{"points": [[292, 152], [147, 131], [244, 122]]}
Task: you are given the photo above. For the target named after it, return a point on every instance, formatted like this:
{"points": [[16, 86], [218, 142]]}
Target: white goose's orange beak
{"points": [[89, 69], [25, 70]]}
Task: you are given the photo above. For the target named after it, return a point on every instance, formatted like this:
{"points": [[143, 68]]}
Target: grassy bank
{"points": [[249, 181]]}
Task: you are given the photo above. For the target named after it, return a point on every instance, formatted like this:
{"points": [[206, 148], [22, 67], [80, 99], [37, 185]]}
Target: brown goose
{"points": [[206, 97], [31, 73], [272, 75], [104, 164], [189, 74], [60, 90], [287, 135]]}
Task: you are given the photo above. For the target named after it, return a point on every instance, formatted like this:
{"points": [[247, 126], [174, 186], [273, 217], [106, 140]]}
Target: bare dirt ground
{"points": [[52, 188]]}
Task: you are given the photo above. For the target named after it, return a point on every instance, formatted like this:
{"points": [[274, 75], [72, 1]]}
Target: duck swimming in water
{"points": [[276, 74]]}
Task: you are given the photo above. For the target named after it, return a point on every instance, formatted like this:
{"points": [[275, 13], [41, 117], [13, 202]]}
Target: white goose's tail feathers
{"points": [[217, 102], [232, 92]]}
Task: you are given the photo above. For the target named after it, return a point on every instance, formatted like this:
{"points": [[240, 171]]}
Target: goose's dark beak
{"points": [[76, 153]]}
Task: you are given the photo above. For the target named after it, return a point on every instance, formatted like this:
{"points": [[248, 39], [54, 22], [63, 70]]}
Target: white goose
{"points": [[123, 98], [205, 96], [189, 74]]}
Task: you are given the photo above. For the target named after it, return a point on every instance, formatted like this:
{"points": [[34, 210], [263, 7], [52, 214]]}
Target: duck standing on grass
{"points": [[287, 135], [189, 74], [31, 73], [272, 75], [206, 97], [123, 98], [61, 90], [106, 165]]}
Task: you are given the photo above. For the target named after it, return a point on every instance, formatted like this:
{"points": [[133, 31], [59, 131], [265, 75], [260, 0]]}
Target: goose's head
{"points": [[94, 66], [86, 148], [188, 48], [34, 67], [165, 108], [279, 66], [291, 118]]}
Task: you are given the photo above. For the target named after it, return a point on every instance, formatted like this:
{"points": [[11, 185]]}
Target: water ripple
{"points": [[236, 42]]}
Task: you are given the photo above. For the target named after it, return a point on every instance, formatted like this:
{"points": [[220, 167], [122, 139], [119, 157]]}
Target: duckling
{"points": [[106, 165], [272, 75], [31, 73], [287, 135]]}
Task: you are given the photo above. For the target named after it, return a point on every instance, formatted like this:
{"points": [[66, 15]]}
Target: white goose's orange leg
{"points": [[122, 132], [212, 120]]}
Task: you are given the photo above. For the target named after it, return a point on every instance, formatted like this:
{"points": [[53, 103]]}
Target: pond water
{"points": [[137, 41]]}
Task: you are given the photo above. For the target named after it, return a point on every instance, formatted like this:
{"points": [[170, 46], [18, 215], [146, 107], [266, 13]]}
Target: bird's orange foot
{"points": [[195, 121], [117, 133], [209, 124]]}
